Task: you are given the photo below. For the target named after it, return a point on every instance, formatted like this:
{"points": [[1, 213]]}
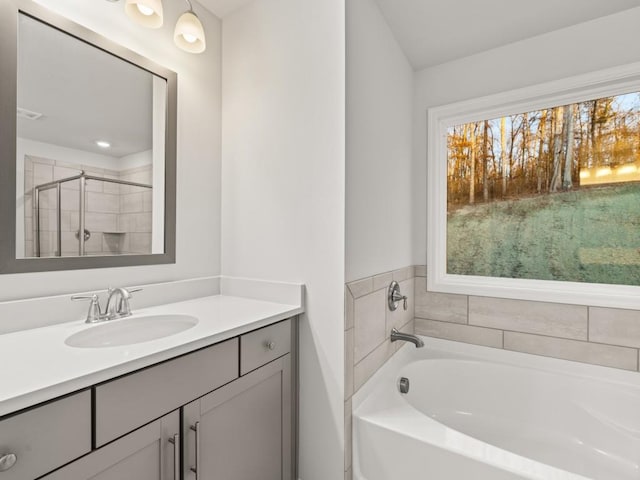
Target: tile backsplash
{"points": [[596, 335]]}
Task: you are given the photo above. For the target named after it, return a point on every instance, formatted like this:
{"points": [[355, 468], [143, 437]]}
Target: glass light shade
{"points": [[189, 33], [147, 13]]}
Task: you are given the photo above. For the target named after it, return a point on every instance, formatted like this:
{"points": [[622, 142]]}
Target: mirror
{"points": [[92, 157]]}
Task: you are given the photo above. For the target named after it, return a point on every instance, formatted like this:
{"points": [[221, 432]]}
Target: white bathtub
{"points": [[475, 413]]}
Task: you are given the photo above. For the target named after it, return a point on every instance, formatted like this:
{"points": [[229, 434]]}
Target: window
{"points": [[535, 193]]}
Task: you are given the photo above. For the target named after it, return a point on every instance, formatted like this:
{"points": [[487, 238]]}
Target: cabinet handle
{"points": [[271, 345], [7, 460], [175, 441], [196, 469]]}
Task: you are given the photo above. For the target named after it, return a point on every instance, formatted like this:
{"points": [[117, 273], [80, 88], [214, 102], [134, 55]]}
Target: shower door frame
{"points": [[57, 184]]}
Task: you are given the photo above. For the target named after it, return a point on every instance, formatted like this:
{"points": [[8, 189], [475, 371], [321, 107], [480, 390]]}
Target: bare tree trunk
{"points": [[525, 140], [485, 162], [567, 182], [503, 154], [541, 131], [472, 160], [557, 151], [592, 135]]}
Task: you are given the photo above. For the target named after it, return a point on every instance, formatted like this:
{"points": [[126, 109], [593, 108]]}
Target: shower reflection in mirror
{"points": [[112, 208]]}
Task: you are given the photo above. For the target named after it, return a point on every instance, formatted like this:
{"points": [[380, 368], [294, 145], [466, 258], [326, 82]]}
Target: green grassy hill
{"points": [[586, 235]]}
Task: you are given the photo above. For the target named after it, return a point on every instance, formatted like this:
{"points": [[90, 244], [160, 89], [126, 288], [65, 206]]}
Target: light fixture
{"points": [[189, 33], [147, 13], [103, 144]]}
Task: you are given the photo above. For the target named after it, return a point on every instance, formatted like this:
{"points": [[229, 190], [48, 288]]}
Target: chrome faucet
{"points": [[117, 305], [405, 337]]}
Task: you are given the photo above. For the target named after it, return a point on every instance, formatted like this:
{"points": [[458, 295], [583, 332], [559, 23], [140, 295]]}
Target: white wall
{"points": [[379, 127], [589, 46], [199, 125], [283, 189]]}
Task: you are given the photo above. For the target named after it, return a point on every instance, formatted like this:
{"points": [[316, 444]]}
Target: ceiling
{"points": [[84, 94], [432, 32], [223, 7]]}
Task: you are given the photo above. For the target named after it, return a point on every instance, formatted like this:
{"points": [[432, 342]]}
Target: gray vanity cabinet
{"points": [[242, 431], [226, 411], [149, 453]]}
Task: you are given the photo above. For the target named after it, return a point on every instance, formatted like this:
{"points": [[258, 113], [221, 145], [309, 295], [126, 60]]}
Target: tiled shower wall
{"points": [[118, 216], [368, 323]]}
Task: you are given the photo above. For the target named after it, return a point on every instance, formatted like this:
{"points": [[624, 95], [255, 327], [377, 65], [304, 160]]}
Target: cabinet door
{"points": [[244, 428], [145, 454]]}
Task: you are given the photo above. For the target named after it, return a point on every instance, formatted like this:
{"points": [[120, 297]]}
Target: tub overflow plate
{"points": [[403, 385]]}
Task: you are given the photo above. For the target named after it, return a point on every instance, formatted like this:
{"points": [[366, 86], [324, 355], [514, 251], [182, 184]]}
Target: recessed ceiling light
{"points": [[28, 114], [103, 144]]}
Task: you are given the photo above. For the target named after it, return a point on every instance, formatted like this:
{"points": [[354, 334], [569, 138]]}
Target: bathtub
{"points": [[475, 413]]}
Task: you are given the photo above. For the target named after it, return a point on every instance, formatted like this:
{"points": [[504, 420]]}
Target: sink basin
{"points": [[129, 331]]}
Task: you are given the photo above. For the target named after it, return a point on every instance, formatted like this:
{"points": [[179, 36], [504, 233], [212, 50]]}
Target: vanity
{"points": [[198, 389], [215, 401]]}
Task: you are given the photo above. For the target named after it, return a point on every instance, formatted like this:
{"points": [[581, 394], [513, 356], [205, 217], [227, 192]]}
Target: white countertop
{"points": [[36, 365]]}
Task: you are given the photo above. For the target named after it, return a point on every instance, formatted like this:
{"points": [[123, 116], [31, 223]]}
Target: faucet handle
{"points": [[124, 309], [95, 313]]}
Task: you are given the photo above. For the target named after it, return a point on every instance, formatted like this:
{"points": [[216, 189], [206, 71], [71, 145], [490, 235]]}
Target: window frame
{"points": [[580, 88]]}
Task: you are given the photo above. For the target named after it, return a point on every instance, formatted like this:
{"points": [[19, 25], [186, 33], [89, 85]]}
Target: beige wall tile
{"points": [[553, 319], [459, 333], [60, 172], [446, 307], [143, 222], [131, 203], [127, 222], [42, 173], [371, 363], [361, 287], [349, 306], [595, 353], [370, 323], [349, 338], [348, 421], [614, 326], [101, 222], [147, 200], [420, 270], [49, 199], [400, 317], [139, 242], [403, 274], [382, 281], [100, 202], [108, 187]]}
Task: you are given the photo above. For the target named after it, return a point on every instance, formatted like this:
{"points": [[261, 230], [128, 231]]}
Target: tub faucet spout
{"points": [[406, 337]]}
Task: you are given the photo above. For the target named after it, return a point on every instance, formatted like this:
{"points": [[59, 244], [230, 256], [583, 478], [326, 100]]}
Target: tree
{"points": [[540, 159], [556, 128], [567, 182], [503, 154], [485, 162], [472, 162]]}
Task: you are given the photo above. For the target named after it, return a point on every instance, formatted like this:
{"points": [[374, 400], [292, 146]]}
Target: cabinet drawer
{"points": [[131, 401], [47, 437], [264, 345]]}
